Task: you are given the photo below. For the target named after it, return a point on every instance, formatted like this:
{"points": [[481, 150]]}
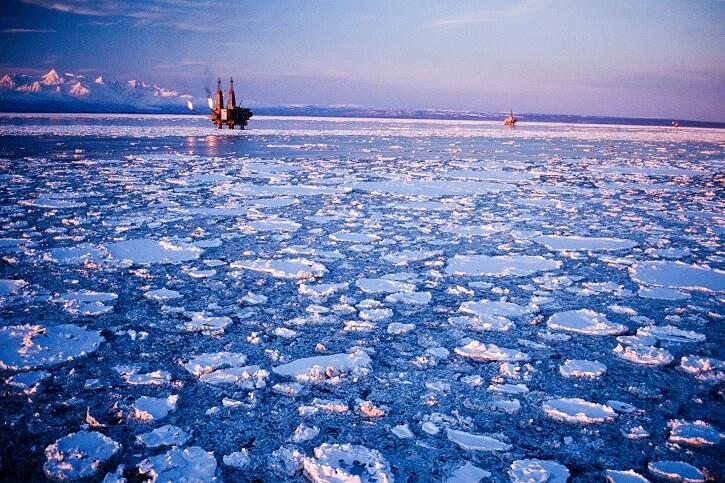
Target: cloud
{"points": [[182, 15], [27, 31], [524, 7]]}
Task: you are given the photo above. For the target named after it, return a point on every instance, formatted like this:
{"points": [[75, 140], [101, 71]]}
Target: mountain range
{"points": [[72, 93]]}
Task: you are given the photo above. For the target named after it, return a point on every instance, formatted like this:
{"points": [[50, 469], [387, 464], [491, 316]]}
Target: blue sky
{"points": [[656, 58]]}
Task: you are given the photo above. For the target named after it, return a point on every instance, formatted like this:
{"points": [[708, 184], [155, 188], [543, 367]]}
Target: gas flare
{"points": [[210, 102]]}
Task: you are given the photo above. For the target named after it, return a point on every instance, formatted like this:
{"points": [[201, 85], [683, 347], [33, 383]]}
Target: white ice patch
{"points": [[145, 251], [704, 369], [274, 224], [695, 433], [471, 230], [346, 236], [662, 293], [409, 298], [154, 408], [584, 321], [53, 203], [330, 368], [499, 265], [291, 268], [9, 287], [167, 435], [677, 471], [670, 333], [237, 459], [78, 455], [577, 410], [24, 347], [405, 257], [211, 361], [489, 352], [538, 471], [381, 285], [468, 473], [495, 307], [678, 275], [322, 290], [192, 464], [643, 354], [579, 243], [201, 322], [162, 294], [624, 476], [431, 188], [582, 369], [346, 463], [476, 442]]}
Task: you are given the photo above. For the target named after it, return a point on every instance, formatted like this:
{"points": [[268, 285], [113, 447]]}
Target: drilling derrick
{"points": [[232, 115]]}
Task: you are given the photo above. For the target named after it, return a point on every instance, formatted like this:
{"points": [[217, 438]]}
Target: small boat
{"points": [[510, 120], [675, 124]]}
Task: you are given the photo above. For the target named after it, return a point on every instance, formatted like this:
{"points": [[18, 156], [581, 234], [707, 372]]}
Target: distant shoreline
{"points": [[422, 115]]}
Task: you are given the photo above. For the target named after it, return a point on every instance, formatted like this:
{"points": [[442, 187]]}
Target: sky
{"points": [[648, 58]]}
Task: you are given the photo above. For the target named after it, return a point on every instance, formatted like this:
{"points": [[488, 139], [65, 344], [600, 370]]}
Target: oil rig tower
{"points": [[232, 115]]}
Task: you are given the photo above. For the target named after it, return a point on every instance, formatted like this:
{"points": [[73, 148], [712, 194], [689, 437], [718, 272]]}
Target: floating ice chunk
{"points": [[78, 455], [396, 328], [329, 406], [27, 381], [578, 368], [162, 294], [77, 255], [409, 298], [670, 333], [495, 307], [662, 293], [330, 368], [346, 236], [346, 463], [627, 476], [484, 323], [322, 290], [468, 473], [304, 433], [647, 355], [201, 322], [154, 378], [24, 347], [167, 435], [489, 352], [696, 433], [210, 361], [52, 202], [275, 224], [381, 285], [678, 275], [237, 459], [431, 188], [584, 321], [430, 428], [491, 175], [191, 464], [154, 408], [538, 471], [9, 287], [376, 315], [704, 369], [248, 377], [409, 256], [291, 268], [476, 442], [144, 251], [592, 244], [677, 471], [87, 302], [577, 410], [254, 299], [506, 406], [512, 389], [402, 431], [499, 265], [471, 230]]}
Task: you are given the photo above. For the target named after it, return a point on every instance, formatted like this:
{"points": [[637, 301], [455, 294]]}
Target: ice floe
{"points": [[584, 321], [679, 275], [148, 408], [499, 265], [677, 471], [695, 433], [489, 352], [329, 368], [624, 476], [577, 410], [536, 471], [476, 442], [24, 347], [582, 369], [591, 244], [346, 463], [78, 455], [192, 464], [166, 435], [291, 268], [145, 251]]}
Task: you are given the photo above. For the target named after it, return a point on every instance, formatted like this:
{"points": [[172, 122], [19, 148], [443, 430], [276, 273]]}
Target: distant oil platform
{"points": [[510, 120], [232, 115]]}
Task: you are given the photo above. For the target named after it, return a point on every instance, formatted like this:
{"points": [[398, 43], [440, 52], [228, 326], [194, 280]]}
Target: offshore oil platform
{"points": [[232, 115]]}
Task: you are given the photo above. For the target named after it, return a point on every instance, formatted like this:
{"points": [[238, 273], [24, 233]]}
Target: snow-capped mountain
{"points": [[68, 92]]}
